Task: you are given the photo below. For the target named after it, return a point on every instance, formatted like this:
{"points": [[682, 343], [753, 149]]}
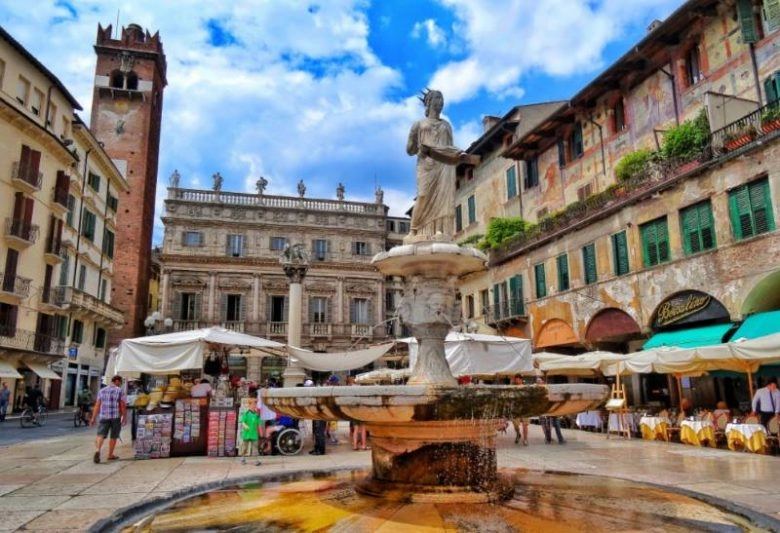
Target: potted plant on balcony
{"points": [[770, 118], [684, 144], [739, 137]]}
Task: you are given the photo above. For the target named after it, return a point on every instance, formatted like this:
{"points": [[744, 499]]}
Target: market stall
{"points": [[174, 418]]}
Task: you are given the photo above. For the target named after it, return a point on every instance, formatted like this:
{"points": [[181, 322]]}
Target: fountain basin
{"points": [[433, 443]]}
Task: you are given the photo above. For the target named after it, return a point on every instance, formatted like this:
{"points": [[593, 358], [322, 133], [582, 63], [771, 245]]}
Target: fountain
{"points": [[433, 442]]}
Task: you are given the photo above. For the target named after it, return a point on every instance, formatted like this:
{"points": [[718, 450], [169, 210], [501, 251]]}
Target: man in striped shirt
{"points": [[111, 409]]}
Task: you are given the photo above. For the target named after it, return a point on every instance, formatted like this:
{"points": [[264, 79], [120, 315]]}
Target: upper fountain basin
{"points": [[437, 259], [404, 403]]}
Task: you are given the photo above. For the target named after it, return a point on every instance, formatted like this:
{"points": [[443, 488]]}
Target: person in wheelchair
{"points": [[283, 436]]}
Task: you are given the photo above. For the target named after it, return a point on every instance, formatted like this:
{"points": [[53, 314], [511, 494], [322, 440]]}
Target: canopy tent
{"points": [[586, 364], [42, 370], [182, 350], [689, 338], [338, 361], [7, 370], [383, 375], [476, 354]]}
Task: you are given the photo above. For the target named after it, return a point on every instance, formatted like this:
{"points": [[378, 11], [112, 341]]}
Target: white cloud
{"points": [[434, 35]]}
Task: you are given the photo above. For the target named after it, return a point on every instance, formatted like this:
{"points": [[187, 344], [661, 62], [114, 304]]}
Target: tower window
{"points": [[117, 80], [132, 81]]}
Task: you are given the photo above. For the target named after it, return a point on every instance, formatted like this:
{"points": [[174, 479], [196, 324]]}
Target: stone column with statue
{"points": [[295, 262]]}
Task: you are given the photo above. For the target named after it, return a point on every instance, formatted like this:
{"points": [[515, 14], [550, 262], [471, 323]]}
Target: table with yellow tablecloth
{"points": [[653, 427], [751, 437], [696, 432]]}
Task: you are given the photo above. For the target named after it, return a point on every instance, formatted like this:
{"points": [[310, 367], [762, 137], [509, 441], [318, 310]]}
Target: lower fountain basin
{"points": [[418, 403], [539, 502]]}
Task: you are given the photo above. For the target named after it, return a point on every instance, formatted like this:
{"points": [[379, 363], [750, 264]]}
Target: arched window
{"points": [[117, 80], [132, 81]]}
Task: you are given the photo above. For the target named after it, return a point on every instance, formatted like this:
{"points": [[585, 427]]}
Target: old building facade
{"points": [[62, 194], [682, 249], [220, 265], [127, 105]]}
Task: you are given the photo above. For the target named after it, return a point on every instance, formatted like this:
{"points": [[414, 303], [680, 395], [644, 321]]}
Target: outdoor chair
{"points": [[720, 428], [673, 429], [752, 419], [772, 442]]}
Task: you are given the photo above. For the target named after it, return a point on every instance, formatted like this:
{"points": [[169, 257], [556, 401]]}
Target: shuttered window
{"points": [[751, 209], [516, 304], [697, 228], [511, 183], [472, 205], [278, 308], [319, 310], [360, 311], [747, 21], [69, 217], [589, 263], [576, 145], [620, 253], [235, 246], [361, 248], [187, 306], [655, 242], [532, 173], [497, 301], [540, 280], [108, 243], [320, 249], [458, 218], [562, 262], [192, 238]]}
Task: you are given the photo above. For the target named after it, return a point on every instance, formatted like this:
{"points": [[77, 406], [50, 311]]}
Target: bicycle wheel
{"points": [[27, 419], [43, 414], [289, 441]]}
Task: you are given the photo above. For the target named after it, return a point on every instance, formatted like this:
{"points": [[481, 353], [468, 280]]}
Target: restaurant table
{"points": [[653, 427], [695, 432], [751, 437], [590, 419]]}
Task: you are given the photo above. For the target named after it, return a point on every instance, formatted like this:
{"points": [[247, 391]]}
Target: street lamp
{"points": [[152, 323]]}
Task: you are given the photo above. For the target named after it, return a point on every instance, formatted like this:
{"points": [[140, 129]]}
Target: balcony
{"points": [[52, 254], [277, 329], [361, 331], [15, 286], [511, 310], [28, 180], [320, 329], [750, 131], [21, 339], [54, 297], [59, 198], [20, 232], [82, 303]]}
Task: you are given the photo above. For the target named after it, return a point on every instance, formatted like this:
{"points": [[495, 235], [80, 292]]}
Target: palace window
{"points": [[192, 239], [751, 209]]}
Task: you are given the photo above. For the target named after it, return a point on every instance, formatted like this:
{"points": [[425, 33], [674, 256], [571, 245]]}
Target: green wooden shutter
{"points": [[689, 227], [761, 206], [747, 21], [563, 272], [511, 183], [739, 204], [541, 282], [589, 263], [497, 301], [662, 231], [458, 218], [649, 240], [706, 226], [516, 295], [620, 250], [772, 14], [772, 87]]}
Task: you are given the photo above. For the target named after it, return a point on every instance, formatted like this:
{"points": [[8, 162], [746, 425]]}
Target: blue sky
{"points": [[325, 91]]}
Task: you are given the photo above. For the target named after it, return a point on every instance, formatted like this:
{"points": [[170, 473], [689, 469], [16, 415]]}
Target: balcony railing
{"points": [[20, 229], [29, 177], [512, 309], [22, 339], [740, 135], [362, 331], [81, 301], [60, 196], [16, 285], [54, 296], [234, 325], [277, 328], [281, 202], [320, 329]]}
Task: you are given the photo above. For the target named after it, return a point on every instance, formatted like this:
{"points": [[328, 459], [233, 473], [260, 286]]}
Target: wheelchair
{"points": [[286, 437]]}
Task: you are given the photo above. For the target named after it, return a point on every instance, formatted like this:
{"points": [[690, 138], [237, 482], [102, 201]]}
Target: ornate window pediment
{"points": [[188, 281], [320, 288], [234, 284], [276, 285], [360, 288]]}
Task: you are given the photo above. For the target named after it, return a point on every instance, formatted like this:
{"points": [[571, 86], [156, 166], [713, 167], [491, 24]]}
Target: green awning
{"points": [[758, 325], [689, 338]]}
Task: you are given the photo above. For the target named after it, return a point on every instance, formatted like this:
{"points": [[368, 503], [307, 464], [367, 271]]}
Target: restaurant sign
{"points": [[688, 307]]}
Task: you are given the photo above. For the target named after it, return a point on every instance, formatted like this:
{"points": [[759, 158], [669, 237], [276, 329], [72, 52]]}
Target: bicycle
{"points": [[32, 417], [81, 416]]}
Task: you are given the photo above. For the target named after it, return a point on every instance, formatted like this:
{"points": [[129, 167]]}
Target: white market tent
{"points": [[476, 354], [586, 364], [172, 352], [338, 361]]}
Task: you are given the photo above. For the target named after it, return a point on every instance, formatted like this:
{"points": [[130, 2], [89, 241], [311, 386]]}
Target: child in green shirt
{"points": [[250, 431]]}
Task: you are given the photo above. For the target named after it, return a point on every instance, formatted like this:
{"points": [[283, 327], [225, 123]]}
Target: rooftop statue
{"points": [[431, 140]]}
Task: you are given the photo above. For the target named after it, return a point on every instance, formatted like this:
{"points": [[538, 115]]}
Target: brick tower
{"points": [[127, 105]]}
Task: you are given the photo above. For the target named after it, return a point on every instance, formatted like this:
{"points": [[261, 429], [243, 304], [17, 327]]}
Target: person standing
{"points": [[84, 400], [5, 396], [251, 426], [522, 422], [111, 410], [766, 402]]}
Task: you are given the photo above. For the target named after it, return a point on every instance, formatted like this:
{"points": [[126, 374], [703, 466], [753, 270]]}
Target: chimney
{"points": [[488, 121]]}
